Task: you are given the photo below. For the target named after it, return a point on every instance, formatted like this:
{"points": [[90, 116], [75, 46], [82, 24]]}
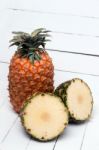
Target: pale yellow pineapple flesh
{"points": [[79, 100], [45, 117]]}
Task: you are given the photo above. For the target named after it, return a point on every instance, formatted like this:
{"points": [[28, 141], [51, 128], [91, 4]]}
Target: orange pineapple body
{"points": [[26, 77]]}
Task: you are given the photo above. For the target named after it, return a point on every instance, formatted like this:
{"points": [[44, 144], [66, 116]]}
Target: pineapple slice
{"points": [[44, 116], [77, 97]]}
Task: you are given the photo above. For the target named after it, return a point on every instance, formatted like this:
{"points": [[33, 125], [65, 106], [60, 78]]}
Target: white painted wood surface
{"points": [[75, 53]]}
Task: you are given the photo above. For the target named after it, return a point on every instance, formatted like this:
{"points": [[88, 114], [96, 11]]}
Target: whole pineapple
{"points": [[31, 69]]}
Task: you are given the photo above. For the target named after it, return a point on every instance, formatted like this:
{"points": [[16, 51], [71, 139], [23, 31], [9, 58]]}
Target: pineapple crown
{"points": [[30, 45]]}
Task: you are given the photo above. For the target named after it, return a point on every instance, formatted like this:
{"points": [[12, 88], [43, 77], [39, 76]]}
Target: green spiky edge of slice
{"points": [[61, 89], [29, 101]]}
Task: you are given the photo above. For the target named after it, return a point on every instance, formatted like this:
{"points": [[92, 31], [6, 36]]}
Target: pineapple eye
{"points": [[43, 94]]}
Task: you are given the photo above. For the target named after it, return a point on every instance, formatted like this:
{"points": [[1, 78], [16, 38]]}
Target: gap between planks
{"points": [[76, 53], [14, 122], [55, 143], [75, 72], [28, 143], [53, 13], [83, 136], [71, 52], [63, 14], [82, 141]]}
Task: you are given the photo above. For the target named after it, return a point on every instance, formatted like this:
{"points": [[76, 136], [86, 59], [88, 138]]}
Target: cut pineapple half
{"points": [[44, 116], [77, 97]]}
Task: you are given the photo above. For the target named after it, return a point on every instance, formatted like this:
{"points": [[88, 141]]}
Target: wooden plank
{"points": [[82, 8], [74, 43], [72, 138], [59, 23], [91, 138], [40, 146], [80, 63], [87, 45], [5, 4], [61, 42], [70, 62], [13, 21], [18, 139], [3, 85], [92, 81], [7, 116], [75, 63]]}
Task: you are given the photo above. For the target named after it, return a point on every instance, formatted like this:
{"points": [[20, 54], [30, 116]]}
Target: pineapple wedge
{"points": [[77, 96], [44, 116]]}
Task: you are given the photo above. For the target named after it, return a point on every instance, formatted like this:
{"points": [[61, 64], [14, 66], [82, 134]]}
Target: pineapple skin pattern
{"points": [[26, 78]]}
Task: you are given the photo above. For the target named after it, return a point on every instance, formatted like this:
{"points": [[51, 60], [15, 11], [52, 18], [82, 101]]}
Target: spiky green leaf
{"points": [[28, 44]]}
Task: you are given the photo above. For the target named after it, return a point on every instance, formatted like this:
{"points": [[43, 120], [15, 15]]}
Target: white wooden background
{"points": [[75, 52]]}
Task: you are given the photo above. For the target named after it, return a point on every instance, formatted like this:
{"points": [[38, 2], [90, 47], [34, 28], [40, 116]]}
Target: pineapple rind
{"points": [[26, 78], [23, 122], [61, 91]]}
